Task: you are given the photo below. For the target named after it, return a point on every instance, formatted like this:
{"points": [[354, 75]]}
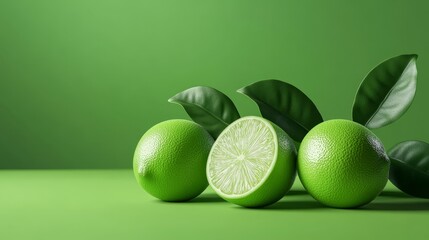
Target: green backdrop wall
{"points": [[82, 80]]}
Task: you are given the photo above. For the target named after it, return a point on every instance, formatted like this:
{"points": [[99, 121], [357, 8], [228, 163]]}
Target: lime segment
{"points": [[242, 157], [252, 163]]}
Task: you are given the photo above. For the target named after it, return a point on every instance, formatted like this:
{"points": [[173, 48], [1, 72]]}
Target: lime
{"points": [[342, 164], [170, 160], [252, 163]]}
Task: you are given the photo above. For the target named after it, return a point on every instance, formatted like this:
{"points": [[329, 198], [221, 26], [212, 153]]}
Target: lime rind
{"points": [[242, 158]]}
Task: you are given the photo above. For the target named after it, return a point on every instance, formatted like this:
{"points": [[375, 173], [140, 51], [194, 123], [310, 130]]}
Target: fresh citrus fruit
{"points": [[252, 163], [170, 160], [342, 164]]}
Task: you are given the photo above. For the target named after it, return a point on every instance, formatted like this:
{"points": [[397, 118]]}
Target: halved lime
{"points": [[252, 163]]}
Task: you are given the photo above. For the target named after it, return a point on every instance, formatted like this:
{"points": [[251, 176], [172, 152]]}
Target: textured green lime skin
{"points": [[170, 160], [280, 179], [342, 164]]}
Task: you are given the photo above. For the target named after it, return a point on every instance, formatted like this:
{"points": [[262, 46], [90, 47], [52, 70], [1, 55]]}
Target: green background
{"points": [[108, 204], [82, 80]]}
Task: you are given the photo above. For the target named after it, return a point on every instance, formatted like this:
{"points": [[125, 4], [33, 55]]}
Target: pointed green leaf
{"points": [[409, 167], [285, 105], [208, 107], [386, 92]]}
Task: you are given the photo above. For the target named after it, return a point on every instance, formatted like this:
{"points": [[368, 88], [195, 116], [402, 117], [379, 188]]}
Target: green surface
{"points": [[81, 81], [109, 204]]}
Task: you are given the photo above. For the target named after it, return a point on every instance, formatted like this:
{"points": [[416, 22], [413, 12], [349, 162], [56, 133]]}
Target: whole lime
{"points": [[170, 160], [342, 164], [252, 163]]}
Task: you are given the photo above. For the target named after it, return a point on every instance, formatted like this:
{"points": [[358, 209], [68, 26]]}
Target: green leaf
{"points": [[409, 168], [386, 92], [208, 107], [285, 105]]}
